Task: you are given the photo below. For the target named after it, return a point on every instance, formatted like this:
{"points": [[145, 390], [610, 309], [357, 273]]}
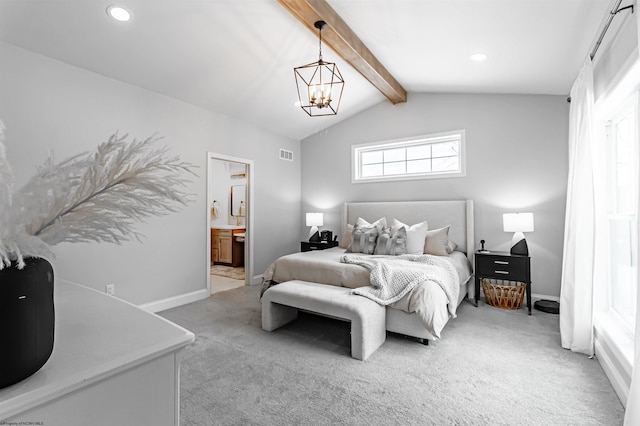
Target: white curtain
{"points": [[632, 415], [576, 292]]}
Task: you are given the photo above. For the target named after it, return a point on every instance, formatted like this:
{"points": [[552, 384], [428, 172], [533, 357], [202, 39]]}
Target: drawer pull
{"points": [[502, 272], [500, 262]]}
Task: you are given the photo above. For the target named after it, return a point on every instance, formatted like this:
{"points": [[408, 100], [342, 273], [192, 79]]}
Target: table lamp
{"points": [[314, 220], [518, 223]]}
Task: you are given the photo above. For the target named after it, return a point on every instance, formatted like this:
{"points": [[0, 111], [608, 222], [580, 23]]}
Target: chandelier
{"points": [[319, 84]]}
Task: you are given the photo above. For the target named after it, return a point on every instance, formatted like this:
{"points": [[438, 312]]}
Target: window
{"points": [[622, 169], [420, 157]]}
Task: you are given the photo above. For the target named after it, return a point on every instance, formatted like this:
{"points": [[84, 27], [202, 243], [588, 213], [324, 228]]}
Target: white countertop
{"points": [[96, 336], [227, 227]]}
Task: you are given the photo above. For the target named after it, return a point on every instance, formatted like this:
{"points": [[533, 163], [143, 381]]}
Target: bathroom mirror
{"points": [[238, 202]]}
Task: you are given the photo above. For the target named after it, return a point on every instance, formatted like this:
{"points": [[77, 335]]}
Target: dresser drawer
{"points": [[504, 267]]}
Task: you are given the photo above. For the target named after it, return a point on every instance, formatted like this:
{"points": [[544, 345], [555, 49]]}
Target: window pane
{"points": [[372, 157], [394, 155], [418, 166], [624, 172], [418, 152], [397, 168], [623, 268], [372, 170], [445, 149], [445, 164]]}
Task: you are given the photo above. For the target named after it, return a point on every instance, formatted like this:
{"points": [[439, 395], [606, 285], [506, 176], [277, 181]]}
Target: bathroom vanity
{"points": [[227, 245]]}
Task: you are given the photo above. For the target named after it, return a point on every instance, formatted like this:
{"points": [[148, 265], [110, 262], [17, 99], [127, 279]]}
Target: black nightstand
{"points": [[500, 265], [309, 246]]}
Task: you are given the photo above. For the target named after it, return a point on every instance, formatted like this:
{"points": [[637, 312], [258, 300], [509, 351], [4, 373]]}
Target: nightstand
{"points": [[321, 245], [499, 265]]}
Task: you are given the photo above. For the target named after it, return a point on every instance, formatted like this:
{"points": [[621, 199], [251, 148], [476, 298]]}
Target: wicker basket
{"points": [[503, 296]]}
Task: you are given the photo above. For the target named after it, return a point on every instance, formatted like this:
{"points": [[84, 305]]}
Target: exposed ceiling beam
{"points": [[339, 37]]}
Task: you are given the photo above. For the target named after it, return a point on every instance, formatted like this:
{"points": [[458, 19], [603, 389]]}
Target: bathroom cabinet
{"points": [[222, 247]]}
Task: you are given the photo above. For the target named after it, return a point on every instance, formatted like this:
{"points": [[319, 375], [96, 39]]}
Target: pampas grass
{"points": [[95, 196]]}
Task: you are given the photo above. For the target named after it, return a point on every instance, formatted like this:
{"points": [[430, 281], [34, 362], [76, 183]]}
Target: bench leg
{"points": [[275, 315], [365, 341]]}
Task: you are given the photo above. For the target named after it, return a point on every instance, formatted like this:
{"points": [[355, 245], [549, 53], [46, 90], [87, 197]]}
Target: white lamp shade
{"points": [[315, 219], [517, 222]]}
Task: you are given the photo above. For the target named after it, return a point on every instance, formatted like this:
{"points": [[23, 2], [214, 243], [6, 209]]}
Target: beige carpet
{"points": [[492, 367]]}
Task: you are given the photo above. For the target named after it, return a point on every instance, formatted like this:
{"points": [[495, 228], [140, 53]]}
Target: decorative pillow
{"points": [[416, 235], [451, 246], [392, 244], [437, 242], [380, 223], [346, 237], [363, 240]]}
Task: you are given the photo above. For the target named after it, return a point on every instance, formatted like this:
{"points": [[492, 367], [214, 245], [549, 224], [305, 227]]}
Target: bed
{"points": [[424, 310]]}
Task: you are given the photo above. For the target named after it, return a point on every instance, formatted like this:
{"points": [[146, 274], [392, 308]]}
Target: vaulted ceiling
{"points": [[236, 57]]}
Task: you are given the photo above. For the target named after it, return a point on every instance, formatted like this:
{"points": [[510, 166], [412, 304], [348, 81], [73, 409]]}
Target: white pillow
{"points": [[416, 235], [380, 223], [437, 242]]}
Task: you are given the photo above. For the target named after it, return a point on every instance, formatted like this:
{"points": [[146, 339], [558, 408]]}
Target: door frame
{"points": [[248, 240]]}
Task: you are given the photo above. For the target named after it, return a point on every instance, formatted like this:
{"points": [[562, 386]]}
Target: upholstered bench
{"points": [[281, 302]]}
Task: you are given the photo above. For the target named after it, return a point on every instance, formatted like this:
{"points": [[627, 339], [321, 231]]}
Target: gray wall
{"points": [[516, 161], [49, 105]]}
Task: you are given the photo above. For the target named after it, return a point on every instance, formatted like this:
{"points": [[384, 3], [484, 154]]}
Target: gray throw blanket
{"points": [[393, 277]]}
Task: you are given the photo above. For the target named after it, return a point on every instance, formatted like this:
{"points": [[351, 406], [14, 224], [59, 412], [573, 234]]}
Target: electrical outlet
{"points": [[110, 289]]}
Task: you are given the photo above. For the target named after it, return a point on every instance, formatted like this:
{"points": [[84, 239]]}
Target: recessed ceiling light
{"points": [[479, 57], [119, 13]]}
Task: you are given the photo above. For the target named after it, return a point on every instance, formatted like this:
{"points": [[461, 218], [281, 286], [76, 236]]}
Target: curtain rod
{"points": [[614, 11]]}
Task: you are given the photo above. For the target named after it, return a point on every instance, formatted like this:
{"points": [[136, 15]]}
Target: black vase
{"points": [[27, 319]]}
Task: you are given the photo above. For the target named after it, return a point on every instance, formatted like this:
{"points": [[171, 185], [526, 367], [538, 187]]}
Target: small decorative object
{"points": [[548, 306], [314, 220], [88, 197], [503, 296], [481, 245], [518, 223], [319, 84]]}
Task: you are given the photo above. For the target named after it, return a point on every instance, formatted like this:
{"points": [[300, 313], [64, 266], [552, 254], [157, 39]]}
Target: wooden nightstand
{"points": [[322, 245], [501, 265]]}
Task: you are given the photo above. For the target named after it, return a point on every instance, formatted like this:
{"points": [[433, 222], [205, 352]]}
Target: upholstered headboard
{"points": [[457, 213]]}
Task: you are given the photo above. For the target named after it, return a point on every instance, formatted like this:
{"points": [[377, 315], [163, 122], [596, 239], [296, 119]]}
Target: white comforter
{"points": [[426, 299], [392, 277]]}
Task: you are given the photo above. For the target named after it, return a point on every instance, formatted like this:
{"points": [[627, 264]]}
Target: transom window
{"points": [[420, 157]]}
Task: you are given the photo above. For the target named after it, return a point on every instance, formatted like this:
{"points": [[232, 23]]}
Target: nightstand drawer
{"points": [[506, 267]]}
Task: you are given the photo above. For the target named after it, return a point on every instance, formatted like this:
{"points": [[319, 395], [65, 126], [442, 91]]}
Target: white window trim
{"points": [[355, 149]]}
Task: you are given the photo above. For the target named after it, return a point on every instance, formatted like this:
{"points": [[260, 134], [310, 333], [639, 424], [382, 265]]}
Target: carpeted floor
{"points": [[492, 367]]}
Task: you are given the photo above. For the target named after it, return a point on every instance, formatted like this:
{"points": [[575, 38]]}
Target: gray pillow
{"points": [[392, 244], [363, 240], [437, 242]]}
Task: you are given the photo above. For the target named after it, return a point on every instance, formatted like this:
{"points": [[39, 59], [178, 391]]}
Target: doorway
{"points": [[229, 222]]}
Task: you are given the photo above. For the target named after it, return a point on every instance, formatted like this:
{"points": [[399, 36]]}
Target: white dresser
{"points": [[112, 364]]}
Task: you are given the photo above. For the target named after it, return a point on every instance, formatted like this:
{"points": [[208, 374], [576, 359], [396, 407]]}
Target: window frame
{"points": [[433, 138]]}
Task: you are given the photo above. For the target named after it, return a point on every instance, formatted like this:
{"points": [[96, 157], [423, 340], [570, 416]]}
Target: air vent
{"points": [[286, 155]]}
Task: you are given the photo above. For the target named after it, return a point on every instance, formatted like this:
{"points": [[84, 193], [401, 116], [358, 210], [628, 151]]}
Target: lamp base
{"points": [[519, 245], [314, 235]]}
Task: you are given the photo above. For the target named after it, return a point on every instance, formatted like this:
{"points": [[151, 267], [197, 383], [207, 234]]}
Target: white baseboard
{"points": [[535, 296], [612, 372], [172, 302]]}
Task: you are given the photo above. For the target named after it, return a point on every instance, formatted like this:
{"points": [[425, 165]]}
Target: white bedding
{"points": [[427, 299]]}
